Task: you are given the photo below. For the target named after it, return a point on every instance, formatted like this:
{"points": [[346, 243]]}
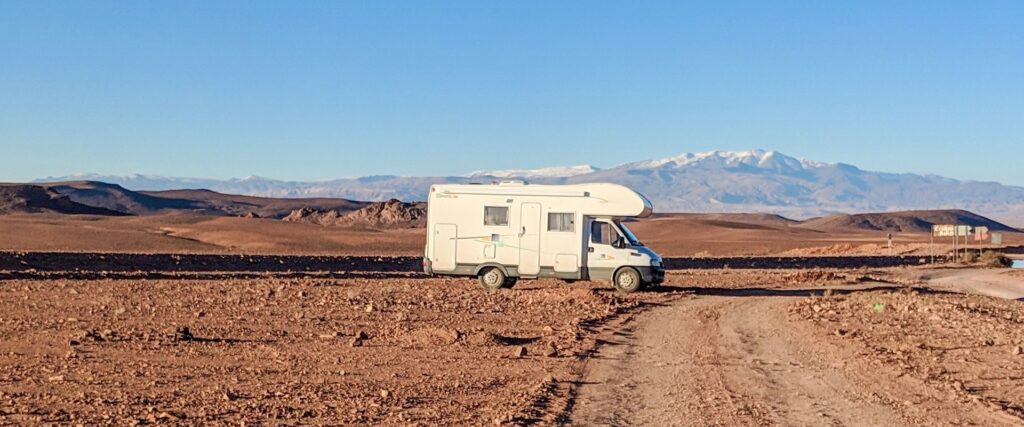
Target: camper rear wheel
{"points": [[493, 279], [628, 280]]}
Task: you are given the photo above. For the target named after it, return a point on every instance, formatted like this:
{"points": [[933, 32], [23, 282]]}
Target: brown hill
{"points": [[752, 221], [263, 207], [903, 222], [117, 198], [392, 214], [314, 216], [120, 199], [25, 198]]}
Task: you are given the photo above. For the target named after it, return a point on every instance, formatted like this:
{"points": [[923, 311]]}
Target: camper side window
{"points": [[495, 215], [601, 233], [561, 222]]}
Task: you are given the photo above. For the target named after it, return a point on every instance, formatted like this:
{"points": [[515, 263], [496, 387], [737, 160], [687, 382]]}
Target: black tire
{"points": [[628, 280], [510, 282], [492, 278]]}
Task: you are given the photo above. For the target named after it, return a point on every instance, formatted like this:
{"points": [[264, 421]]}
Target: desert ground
{"points": [[711, 347], [312, 317]]}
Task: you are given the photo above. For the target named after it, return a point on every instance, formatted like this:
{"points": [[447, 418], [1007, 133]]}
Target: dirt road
{"points": [[992, 282], [737, 357]]}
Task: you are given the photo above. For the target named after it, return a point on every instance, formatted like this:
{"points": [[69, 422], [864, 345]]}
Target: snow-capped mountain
{"points": [[755, 158], [551, 172], [716, 181]]}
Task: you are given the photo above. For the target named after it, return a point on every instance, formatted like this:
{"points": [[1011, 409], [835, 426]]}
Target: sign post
{"points": [[944, 230], [955, 231], [981, 235], [965, 231]]}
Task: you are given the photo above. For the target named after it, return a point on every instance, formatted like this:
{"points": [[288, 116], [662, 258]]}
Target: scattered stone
{"points": [[92, 335], [1018, 350], [552, 350], [171, 415], [183, 333], [519, 352]]}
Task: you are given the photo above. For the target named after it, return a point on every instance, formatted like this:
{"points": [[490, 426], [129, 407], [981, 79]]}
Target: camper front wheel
{"points": [[493, 279], [628, 280]]}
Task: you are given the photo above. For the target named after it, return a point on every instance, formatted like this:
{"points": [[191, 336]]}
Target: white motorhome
{"points": [[509, 230]]}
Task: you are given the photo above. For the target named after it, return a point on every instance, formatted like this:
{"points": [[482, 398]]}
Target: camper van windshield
{"points": [[629, 234]]}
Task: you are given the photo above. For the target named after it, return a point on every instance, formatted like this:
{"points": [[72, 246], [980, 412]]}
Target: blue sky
{"points": [[319, 90]]}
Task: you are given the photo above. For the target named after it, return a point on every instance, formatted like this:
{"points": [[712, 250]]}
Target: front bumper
{"points": [[652, 274]]}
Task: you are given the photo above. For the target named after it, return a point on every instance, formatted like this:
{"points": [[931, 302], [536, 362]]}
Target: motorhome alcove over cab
{"points": [[510, 230]]}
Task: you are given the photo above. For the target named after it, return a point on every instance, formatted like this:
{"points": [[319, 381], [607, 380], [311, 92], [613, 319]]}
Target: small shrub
{"points": [[995, 259], [969, 257]]}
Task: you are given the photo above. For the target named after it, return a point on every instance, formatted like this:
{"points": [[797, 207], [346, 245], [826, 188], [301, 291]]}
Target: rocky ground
{"points": [[971, 347], [398, 351], [726, 346]]}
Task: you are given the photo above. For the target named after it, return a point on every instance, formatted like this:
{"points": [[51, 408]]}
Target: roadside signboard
{"points": [[943, 230], [997, 238], [981, 234], [963, 230]]}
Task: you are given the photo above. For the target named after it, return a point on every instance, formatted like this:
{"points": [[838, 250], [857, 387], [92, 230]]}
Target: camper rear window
{"points": [[495, 215], [561, 222]]}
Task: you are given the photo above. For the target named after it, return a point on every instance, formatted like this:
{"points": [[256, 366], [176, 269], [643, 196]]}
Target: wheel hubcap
{"points": [[627, 280], [491, 278]]}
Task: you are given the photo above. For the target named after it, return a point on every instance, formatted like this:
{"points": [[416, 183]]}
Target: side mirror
{"points": [[619, 243]]}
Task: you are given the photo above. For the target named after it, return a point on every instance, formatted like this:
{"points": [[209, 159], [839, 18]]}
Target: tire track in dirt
{"points": [[738, 360]]}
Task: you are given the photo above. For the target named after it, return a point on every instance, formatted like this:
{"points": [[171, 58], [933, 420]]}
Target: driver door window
{"points": [[601, 233]]}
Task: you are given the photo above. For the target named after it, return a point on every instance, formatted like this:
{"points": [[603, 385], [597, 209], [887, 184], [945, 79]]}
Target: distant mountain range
{"points": [[717, 181]]}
